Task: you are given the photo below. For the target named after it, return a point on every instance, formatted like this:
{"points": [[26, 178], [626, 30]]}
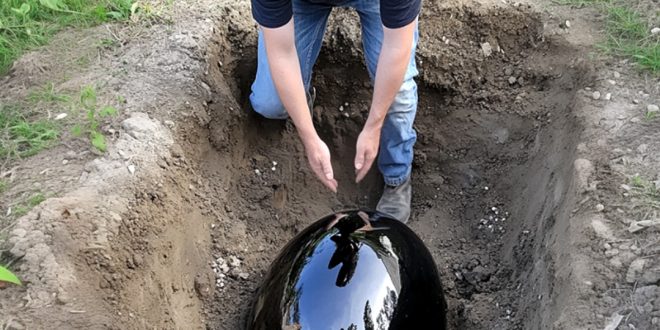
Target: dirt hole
{"points": [[493, 162]]}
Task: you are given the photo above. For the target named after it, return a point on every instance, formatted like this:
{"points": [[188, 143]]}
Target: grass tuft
{"points": [[628, 32], [26, 24], [22, 137], [645, 197]]}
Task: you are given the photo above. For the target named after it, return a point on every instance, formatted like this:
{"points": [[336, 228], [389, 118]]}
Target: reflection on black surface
{"points": [[353, 270]]}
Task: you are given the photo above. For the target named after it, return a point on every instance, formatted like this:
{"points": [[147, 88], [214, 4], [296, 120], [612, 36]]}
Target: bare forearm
{"points": [[285, 71], [390, 72]]}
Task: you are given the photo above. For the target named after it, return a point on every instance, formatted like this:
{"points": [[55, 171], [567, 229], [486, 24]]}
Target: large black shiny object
{"points": [[352, 270]]}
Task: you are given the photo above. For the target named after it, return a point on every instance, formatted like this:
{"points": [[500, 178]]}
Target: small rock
{"points": [[643, 148], [635, 101], [652, 108], [486, 49], [203, 286], [608, 96], [651, 276], [635, 270], [512, 80], [341, 108], [346, 114], [61, 116], [625, 187], [655, 30], [596, 95], [611, 253], [568, 24], [273, 168], [257, 172], [243, 276], [611, 82], [600, 207], [234, 261], [617, 75], [508, 71], [131, 169], [64, 162], [169, 123]]}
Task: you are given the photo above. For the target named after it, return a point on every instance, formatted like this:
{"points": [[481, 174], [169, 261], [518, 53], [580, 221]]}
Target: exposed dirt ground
{"points": [[517, 174]]}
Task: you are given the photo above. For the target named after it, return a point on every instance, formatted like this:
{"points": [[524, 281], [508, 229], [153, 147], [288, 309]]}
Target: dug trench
{"points": [[492, 176]]}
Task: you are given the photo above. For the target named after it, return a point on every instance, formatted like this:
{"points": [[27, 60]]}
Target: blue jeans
{"points": [[398, 136]]}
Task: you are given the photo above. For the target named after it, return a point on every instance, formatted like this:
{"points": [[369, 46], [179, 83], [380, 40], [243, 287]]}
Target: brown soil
{"points": [[483, 143], [495, 187]]}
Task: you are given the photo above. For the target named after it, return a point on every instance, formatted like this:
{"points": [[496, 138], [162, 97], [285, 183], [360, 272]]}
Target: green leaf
{"points": [[56, 5], [98, 141], [76, 131], [7, 276], [115, 15], [134, 8], [23, 10], [108, 111], [88, 97]]}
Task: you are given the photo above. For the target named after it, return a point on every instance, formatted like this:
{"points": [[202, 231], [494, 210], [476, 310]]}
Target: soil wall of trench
{"points": [[492, 194]]}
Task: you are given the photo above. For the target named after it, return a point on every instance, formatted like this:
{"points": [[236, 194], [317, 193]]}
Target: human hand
{"points": [[366, 151], [318, 156]]}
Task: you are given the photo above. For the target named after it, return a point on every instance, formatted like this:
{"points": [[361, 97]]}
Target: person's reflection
{"points": [[346, 254]]}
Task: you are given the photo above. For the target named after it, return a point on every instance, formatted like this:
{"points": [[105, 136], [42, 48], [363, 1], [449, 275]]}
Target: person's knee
{"points": [[406, 98], [269, 107]]}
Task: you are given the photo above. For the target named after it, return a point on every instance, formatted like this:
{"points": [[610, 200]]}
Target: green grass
{"points": [[646, 197], [629, 35], [26, 24], [22, 208], [21, 136], [628, 32], [3, 185], [48, 94], [35, 200]]}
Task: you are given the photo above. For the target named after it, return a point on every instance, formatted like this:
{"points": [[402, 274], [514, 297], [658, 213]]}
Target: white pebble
{"points": [[608, 96], [341, 108], [652, 108], [346, 104], [600, 207], [273, 168], [596, 95], [274, 163], [655, 30], [131, 168], [257, 172], [568, 23], [485, 188], [61, 116]]}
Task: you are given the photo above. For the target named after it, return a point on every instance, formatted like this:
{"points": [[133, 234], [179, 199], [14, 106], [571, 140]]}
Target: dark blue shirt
{"points": [[393, 13]]}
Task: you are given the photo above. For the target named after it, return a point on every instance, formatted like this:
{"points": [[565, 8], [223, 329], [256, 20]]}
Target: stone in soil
{"points": [[635, 270], [652, 108]]}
